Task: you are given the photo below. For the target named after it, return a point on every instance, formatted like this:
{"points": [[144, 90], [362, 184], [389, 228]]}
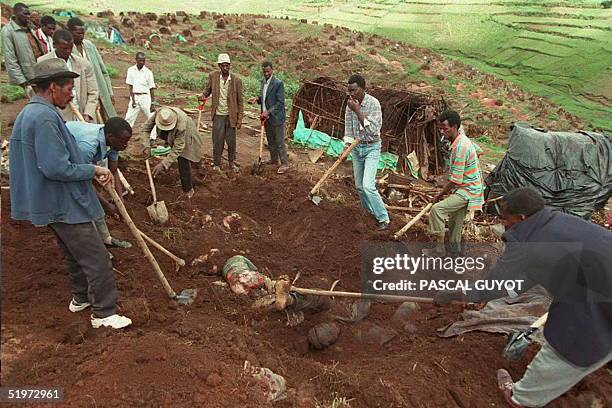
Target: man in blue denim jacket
{"points": [[51, 184], [363, 121]]}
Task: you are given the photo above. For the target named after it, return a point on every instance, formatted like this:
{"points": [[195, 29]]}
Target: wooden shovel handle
{"points": [[159, 246], [329, 171], [261, 139], [151, 181], [373, 296], [137, 235], [76, 112], [412, 221]]}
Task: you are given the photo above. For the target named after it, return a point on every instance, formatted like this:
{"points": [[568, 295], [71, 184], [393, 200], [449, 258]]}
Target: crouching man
{"points": [[571, 258], [51, 184], [101, 144]]}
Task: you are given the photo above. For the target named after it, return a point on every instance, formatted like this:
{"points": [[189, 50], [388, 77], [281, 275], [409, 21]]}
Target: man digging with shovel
{"points": [[571, 259], [51, 184], [179, 132], [99, 144]]}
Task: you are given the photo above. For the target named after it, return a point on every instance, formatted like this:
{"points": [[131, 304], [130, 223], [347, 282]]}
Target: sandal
{"points": [[282, 169]]}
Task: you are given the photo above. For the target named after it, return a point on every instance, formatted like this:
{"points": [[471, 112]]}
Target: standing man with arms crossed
{"points": [[142, 87], [464, 184], [87, 50], [272, 101], [50, 184], [227, 111], [363, 121], [20, 48]]}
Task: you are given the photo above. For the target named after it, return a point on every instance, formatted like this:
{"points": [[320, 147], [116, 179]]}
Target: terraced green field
{"points": [[559, 49]]}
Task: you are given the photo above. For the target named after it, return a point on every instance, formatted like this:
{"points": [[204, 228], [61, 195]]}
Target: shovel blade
{"points": [[158, 212], [257, 168], [315, 199], [187, 296]]}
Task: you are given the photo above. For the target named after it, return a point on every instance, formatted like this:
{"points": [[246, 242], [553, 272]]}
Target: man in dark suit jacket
{"points": [[571, 259], [272, 101]]}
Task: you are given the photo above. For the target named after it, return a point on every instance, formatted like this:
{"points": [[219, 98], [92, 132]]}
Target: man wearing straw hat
{"points": [[51, 184], [179, 132]]}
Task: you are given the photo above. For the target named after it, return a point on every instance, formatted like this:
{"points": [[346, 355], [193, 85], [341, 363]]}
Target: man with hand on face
{"points": [[142, 86], [85, 91], [363, 121], [227, 110], [179, 131], [99, 144], [464, 184], [51, 184], [87, 50], [272, 101], [20, 48]]}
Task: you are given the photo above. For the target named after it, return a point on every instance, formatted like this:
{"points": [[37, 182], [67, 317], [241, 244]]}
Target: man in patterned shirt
{"points": [[464, 184], [363, 121]]}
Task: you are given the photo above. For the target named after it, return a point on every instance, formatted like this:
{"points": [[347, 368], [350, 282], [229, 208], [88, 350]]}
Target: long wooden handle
{"points": [[157, 245], [261, 137], [329, 171], [412, 221], [540, 322], [76, 112], [137, 235], [99, 115], [373, 296], [151, 181], [199, 118], [125, 183]]}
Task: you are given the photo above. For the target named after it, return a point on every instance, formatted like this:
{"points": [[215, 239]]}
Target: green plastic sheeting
{"points": [[314, 139]]}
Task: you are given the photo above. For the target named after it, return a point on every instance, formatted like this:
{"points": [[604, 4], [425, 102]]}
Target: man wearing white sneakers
{"points": [[141, 83], [51, 184]]}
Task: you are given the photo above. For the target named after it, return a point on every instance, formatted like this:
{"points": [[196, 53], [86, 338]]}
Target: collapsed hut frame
{"points": [[408, 120]]}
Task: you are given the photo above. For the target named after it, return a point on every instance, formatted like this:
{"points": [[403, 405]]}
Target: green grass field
{"points": [[554, 48]]}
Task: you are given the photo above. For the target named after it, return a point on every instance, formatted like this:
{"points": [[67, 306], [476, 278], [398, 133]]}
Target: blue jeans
{"points": [[365, 164]]}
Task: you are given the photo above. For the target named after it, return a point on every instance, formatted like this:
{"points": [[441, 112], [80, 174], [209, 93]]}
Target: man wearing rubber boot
{"points": [[464, 184], [571, 259], [101, 144], [51, 184]]}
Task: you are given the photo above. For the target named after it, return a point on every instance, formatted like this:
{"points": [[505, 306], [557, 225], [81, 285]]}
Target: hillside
{"points": [[558, 49]]}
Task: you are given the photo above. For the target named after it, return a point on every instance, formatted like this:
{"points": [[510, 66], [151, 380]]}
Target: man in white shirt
{"points": [[142, 85]]}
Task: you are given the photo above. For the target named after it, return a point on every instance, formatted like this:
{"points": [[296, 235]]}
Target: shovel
{"points": [[200, 109], [313, 193], [186, 296], [157, 211], [257, 168], [518, 341]]}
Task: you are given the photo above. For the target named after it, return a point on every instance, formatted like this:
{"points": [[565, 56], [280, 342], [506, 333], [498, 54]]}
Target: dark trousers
{"points": [[276, 142], [184, 166], [223, 133], [89, 267]]}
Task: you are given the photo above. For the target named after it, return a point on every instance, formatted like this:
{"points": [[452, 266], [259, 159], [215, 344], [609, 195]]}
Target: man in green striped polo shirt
{"points": [[464, 184]]}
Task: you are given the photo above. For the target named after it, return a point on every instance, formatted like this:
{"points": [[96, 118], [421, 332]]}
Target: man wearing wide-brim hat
{"points": [[51, 184], [179, 132]]}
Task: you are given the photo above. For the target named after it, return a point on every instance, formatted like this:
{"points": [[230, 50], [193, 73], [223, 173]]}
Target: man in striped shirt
{"points": [[464, 184]]}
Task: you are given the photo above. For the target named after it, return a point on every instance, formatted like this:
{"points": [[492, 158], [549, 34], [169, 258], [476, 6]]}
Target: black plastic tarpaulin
{"points": [[572, 171]]}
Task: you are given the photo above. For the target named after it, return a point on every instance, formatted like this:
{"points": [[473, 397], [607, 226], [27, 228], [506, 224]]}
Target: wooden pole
{"points": [[139, 239], [329, 171], [372, 296], [157, 245], [413, 221]]}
